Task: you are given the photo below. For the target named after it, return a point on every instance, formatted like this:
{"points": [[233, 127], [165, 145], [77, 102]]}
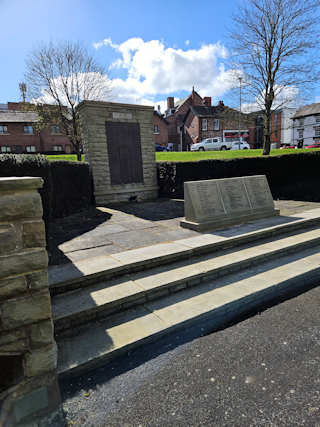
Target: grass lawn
{"points": [[195, 156], [188, 156], [66, 157]]}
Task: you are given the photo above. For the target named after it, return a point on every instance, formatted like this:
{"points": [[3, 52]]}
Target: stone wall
{"points": [[28, 354], [93, 117]]}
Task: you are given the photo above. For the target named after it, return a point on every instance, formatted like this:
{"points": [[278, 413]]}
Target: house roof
{"points": [[180, 102], [155, 113], [12, 116], [308, 110], [205, 111]]}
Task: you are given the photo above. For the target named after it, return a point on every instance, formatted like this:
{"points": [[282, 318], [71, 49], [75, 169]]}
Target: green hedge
{"points": [[72, 187], [67, 185], [291, 176]]}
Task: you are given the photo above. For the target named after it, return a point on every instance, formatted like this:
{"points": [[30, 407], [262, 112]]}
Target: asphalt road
{"points": [[263, 371]]}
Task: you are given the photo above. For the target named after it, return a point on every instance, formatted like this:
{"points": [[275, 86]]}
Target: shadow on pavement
{"points": [[158, 210], [65, 229]]}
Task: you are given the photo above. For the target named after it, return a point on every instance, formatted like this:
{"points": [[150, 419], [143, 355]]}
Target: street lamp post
{"points": [[240, 81]]}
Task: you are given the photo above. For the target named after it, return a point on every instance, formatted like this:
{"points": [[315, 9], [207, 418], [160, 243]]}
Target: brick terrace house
{"points": [[160, 129], [18, 132], [207, 121], [175, 115], [194, 118]]}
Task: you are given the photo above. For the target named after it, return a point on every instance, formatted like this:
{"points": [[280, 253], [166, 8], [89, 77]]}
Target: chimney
{"points": [[207, 101], [170, 102], [221, 104], [192, 96]]}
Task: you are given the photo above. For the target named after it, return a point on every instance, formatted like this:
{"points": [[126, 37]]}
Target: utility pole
{"points": [[240, 81], [23, 90]]}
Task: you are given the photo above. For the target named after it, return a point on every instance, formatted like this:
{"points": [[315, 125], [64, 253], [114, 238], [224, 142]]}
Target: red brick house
{"points": [[19, 134], [160, 129], [175, 115], [194, 118], [207, 121]]}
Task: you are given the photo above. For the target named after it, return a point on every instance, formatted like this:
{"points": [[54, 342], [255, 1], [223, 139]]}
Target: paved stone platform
{"points": [[109, 230]]}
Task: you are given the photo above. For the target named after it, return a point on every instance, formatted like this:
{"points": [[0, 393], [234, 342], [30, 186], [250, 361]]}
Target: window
{"points": [[300, 133], [18, 148], [30, 149], [3, 129], [215, 124], [301, 121], [318, 119], [317, 131], [5, 149], [28, 129], [155, 129], [55, 129], [57, 148], [204, 124]]}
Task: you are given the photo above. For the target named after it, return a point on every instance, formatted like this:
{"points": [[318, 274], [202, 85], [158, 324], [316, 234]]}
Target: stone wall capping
{"points": [[115, 105], [27, 346], [20, 183]]}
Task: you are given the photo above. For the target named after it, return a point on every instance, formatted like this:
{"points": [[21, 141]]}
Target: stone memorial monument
{"points": [[118, 142], [218, 203]]}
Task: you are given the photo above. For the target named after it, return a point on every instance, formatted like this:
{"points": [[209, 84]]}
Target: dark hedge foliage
{"points": [[72, 187], [67, 185], [290, 176], [31, 165]]}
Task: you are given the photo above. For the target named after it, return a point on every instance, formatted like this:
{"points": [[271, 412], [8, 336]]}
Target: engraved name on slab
{"points": [[259, 192], [205, 199], [234, 195]]}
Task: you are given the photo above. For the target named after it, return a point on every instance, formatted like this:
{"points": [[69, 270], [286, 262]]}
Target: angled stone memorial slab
{"points": [[217, 203]]}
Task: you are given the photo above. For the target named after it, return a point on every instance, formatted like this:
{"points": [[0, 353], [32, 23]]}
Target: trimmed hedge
{"points": [[72, 185], [67, 185], [291, 176]]}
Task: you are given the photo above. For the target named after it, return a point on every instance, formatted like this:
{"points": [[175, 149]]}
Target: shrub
{"points": [[72, 187], [67, 186], [291, 176]]}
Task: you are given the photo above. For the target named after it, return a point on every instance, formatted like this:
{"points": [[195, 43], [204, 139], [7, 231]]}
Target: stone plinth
{"points": [[218, 203], [118, 142], [29, 391]]}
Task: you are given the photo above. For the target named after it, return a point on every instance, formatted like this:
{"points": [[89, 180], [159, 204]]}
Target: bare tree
{"points": [[274, 43], [58, 77]]}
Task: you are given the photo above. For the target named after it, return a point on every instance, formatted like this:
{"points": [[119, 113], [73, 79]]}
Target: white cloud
{"points": [[187, 42], [155, 71]]}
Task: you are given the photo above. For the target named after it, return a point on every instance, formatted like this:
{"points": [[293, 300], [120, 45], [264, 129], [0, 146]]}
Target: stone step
{"points": [[64, 278], [210, 305], [105, 298]]}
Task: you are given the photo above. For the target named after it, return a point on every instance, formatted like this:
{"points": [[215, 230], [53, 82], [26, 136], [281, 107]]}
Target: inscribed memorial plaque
{"points": [[259, 192], [218, 203], [204, 200], [234, 195]]}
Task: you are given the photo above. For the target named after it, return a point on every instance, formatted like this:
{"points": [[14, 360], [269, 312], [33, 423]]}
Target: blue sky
{"points": [[154, 49]]}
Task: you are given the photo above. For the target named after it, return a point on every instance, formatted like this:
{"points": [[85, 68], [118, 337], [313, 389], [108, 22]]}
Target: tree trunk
{"points": [[267, 139], [78, 156]]}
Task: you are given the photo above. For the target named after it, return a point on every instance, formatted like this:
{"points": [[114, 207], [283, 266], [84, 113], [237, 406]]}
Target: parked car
{"points": [[210, 144], [284, 146], [316, 145], [239, 145], [159, 147]]}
